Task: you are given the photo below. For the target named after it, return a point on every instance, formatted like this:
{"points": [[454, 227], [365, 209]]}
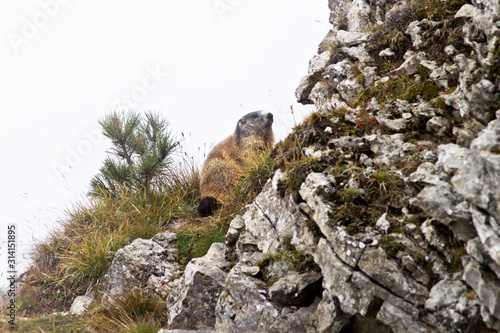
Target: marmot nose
{"points": [[269, 116]]}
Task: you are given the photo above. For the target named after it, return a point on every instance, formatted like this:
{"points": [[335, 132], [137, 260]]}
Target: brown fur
{"points": [[224, 163]]}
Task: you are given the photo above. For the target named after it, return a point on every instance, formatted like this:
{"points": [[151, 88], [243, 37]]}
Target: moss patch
{"points": [[275, 265]]}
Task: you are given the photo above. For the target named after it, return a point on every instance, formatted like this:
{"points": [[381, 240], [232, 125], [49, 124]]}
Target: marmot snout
{"points": [[225, 162]]}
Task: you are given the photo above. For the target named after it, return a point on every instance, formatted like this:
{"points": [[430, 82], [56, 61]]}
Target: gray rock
{"points": [[259, 314], [443, 203], [136, 263], [80, 305], [375, 264], [487, 287], [348, 38], [193, 298], [358, 52], [440, 77], [400, 321], [411, 64], [439, 126], [415, 30], [359, 16], [382, 223], [478, 179], [349, 89], [425, 173], [445, 293], [386, 53], [451, 157], [387, 148], [294, 288], [319, 62]]}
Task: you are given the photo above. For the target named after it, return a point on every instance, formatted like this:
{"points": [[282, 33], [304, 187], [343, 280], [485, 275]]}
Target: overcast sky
{"points": [[202, 64]]}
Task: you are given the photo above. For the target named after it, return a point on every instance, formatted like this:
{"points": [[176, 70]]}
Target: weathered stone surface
{"points": [[387, 148], [441, 202], [351, 38], [136, 263], [439, 126], [482, 166], [415, 30], [80, 305], [487, 287], [444, 293], [451, 157], [400, 321], [244, 307], [374, 263], [193, 297], [294, 288]]}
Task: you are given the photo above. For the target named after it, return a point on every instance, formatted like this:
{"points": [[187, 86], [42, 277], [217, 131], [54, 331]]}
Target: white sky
{"points": [[202, 64]]}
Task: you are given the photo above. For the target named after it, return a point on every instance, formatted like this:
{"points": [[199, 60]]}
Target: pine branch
{"points": [[142, 148]]}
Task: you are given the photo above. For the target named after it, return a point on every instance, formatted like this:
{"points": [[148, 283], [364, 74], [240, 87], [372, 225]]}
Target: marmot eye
{"points": [[254, 116]]}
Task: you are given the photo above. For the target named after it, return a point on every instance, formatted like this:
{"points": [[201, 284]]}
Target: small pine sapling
{"points": [[141, 151]]}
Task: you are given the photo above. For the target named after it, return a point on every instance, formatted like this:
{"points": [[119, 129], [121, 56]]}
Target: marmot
{"points": [[224, 163]]}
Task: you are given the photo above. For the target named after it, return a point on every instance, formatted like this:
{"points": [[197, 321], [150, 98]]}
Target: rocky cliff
{"points": [[383, 212]]}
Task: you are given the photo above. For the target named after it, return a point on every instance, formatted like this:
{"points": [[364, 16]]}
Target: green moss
{"points": [[495, 150], [352, 228], [419, 257], [401, 87], [195, 244], [440, 103], [297, 172], [289, 260], [471, 295], [391, 246], [417, 219], [454, 262], [397, 230]]}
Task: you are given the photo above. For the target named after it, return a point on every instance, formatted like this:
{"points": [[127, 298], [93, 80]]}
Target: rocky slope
{"points": [[383, 213]]}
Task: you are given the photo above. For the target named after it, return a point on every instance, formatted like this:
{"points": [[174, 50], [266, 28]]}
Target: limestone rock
{"points": [[439, 126], [482, 166], [136, 263], [260, 314], [451, 157], [444, 293], [295, 288], [80, 305], [417, 28], [351, 38], [442, 202], [193, 298], [374, 263], [487, 288]]}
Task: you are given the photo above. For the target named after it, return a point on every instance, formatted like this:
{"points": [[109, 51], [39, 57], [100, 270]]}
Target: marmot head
{"points": [[253, 124]]}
